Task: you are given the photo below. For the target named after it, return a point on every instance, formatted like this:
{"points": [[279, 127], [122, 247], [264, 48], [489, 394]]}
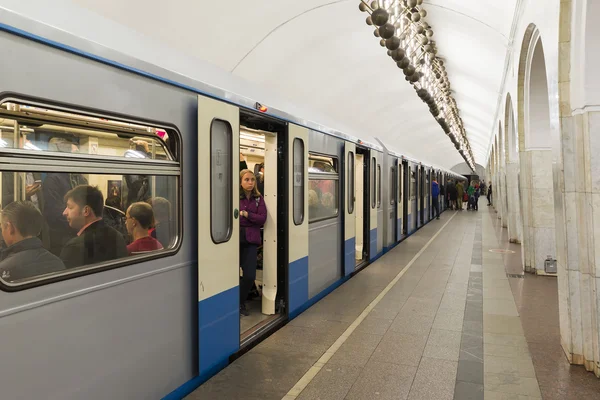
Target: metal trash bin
{"points": [[550, 265]]}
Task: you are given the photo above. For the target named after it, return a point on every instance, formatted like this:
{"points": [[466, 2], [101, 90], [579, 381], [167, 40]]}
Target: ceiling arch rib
{"points": [[322, 57]]}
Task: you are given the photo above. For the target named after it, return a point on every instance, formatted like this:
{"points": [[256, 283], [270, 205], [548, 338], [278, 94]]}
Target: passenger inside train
{"points": [[84, 215], [256, 198]]}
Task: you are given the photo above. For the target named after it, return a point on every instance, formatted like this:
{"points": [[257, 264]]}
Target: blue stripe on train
{"points": [[298, 286], [219, 334], [349, 256], [373, 245]]}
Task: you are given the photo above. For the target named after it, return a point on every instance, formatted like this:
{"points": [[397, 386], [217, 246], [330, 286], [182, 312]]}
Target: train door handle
{"points": [[236, 213]]}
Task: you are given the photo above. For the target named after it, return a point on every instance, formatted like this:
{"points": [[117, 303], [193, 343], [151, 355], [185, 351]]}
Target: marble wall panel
{"points": [[586, 315], [542, 207], [569, 153], [594, 150], [596, 227], [541, 169], [571, 230], [579, 154], [575, 314]]}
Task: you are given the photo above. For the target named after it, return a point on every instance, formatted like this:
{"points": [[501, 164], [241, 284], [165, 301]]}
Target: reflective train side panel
{"points": [[99, 327]]}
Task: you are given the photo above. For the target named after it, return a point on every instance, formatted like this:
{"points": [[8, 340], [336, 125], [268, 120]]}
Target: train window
{"points": [[378, 185], [373, 183], [106, 207], [36, 128], [298, 181], [400, 183], [323, 179], [413, 181], [135, 214], [350, 182], [392, 186], [220, 181], [45, 216]]}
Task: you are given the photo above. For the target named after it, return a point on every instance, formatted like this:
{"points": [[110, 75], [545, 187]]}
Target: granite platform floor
{"points": [[435, 318]]}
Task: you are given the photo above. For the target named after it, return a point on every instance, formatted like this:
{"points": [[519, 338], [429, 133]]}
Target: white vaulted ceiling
{"points": [[321, 56]]}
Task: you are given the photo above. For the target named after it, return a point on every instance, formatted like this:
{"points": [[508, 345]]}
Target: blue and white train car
{"points": [[156, 324]]}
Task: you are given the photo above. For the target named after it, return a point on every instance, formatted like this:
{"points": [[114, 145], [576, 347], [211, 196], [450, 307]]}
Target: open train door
{"points": [[298, 219], [350, 212], [218, 234]]}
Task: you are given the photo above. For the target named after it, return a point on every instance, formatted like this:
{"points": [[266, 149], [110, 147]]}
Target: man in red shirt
{"points": [[140, 218]]}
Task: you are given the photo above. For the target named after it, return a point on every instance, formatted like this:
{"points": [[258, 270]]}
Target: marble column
{"points": [[503, 199], [587, 270], [514, 205], [565, 172]]}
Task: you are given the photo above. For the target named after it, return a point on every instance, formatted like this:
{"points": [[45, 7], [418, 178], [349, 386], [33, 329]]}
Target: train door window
{"points": [[323, 178], [298, 181], [413, 180], [392, 186], [399, 181], [220, 181], [350, 189], [121, 177], [373, 183], [378, 185]]}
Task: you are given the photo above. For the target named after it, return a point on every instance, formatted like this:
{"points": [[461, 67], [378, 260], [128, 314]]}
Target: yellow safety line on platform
{"points": [[314, 370]]}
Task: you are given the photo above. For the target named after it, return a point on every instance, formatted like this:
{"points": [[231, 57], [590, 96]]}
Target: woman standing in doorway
{"points": [[253, 214]]}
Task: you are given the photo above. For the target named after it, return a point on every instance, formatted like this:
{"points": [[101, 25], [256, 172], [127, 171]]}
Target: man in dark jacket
{"points": [[54, 188], [95, 242], [25, 257], [435, 193]]}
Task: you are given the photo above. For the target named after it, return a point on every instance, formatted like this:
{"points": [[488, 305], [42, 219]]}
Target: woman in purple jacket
{"points": [[253, 214]]}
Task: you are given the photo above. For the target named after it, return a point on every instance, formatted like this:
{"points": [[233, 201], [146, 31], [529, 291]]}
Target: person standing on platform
{"points": [[460, 192], [435, 193], [452, 195], [489, 194], [471, 194], [476, 197]]}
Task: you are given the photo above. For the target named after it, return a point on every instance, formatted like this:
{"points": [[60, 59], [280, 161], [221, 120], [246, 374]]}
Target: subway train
{"points": [[156, 324]]}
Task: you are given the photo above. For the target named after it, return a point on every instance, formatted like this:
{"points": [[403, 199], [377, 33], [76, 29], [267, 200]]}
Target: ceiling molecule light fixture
{"points": [[401, 28]]}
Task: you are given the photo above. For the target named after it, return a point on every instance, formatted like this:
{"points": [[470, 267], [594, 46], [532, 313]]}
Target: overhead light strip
{"points": [[404, 32]]}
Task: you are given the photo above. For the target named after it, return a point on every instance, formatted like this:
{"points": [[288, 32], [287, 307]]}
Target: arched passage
{"points": [[515, 228], [535, 154]]}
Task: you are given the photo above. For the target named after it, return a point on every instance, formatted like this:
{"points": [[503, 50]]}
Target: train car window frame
{"points": [[399, 182], [373, 182], [379, 186], [351, 178], [32, 160], [227, 206], [298, 190], [331, 173], [392, 189]]}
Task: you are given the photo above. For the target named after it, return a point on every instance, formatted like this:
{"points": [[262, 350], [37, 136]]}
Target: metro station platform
{"points": [[447, 314]]}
